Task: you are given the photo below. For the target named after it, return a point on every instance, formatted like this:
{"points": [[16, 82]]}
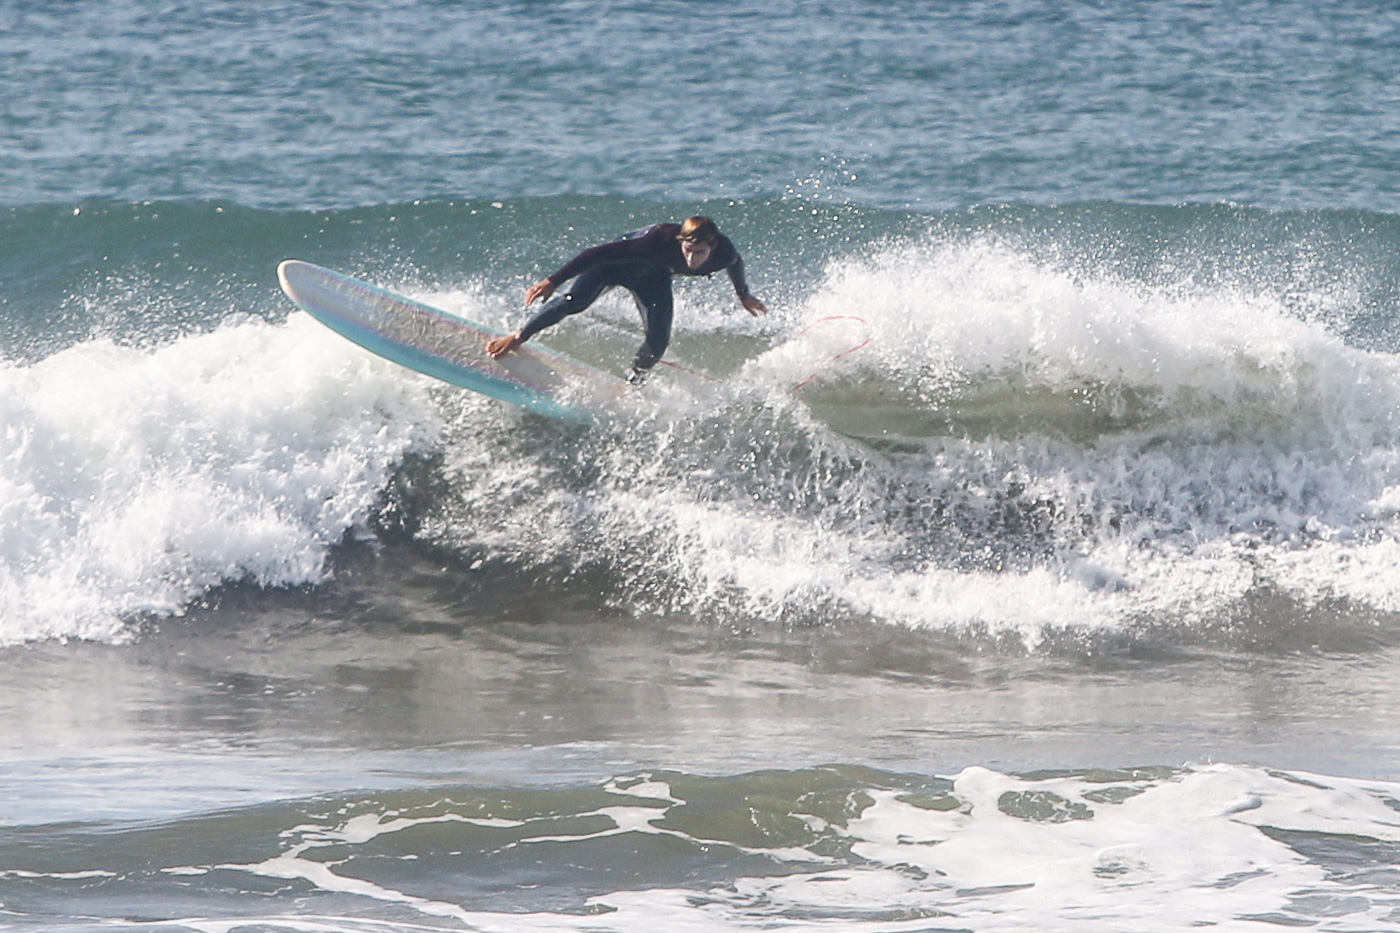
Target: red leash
{"points": [[804, 382], [843, 353], [693, 372]]}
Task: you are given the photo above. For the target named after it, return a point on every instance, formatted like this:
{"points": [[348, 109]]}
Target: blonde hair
{"points": [[699, 230]]}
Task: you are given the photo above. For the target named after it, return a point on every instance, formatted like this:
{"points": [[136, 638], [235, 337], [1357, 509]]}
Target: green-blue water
{"points": [[1031, 566]]}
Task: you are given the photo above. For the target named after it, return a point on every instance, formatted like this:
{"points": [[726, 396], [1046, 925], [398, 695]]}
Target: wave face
{"points": [[1024, 444], [1023, 421]]}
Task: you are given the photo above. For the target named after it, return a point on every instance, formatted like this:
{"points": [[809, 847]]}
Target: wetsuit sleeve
{"points": [[631, 248], [736, 275]]}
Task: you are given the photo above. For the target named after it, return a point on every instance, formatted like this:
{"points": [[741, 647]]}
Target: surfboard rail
{"points": [[445, 346]]}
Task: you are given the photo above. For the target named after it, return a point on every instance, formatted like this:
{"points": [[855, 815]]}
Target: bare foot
{"points": [[502, 345]]}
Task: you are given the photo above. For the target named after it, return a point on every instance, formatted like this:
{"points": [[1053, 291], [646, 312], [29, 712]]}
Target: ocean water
{"points": [[1032, 566]]}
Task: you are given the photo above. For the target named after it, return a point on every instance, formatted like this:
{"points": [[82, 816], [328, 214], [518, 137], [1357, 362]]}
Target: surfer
{"points": [[642, 262]]}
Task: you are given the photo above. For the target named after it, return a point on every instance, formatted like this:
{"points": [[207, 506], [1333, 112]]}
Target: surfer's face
{"points": [[695, 252]]}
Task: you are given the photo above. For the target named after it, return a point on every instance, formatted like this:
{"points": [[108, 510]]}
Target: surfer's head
{"points": [[698, 237]]}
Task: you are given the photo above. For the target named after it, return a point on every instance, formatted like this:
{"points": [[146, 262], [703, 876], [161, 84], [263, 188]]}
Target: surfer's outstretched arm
{"points": [[748, 299]]}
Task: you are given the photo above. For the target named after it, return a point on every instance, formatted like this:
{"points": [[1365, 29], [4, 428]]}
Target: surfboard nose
{"points": [[286, 268]]}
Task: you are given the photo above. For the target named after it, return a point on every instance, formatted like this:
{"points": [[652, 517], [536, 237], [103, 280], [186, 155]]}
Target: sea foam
{"points": [[965, 435], [134, 480], [1223, 846]]}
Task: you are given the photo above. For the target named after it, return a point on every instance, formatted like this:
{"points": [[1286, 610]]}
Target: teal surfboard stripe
{"points": [[438, 344], [438, 368]]}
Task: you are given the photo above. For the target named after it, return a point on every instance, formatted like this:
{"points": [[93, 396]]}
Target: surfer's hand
{"points": [[753, 305], [503, 345], [540, 290]]}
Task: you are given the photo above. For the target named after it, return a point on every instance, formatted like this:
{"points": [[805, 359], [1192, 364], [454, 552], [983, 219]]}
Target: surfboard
{"points": [[447, 347]]}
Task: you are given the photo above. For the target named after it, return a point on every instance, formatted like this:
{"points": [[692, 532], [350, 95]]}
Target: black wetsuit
{"points": [[641, 262]]}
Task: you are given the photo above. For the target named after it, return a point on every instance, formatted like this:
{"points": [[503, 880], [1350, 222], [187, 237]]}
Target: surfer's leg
{"points": [[581, 293], [654, 298]]}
